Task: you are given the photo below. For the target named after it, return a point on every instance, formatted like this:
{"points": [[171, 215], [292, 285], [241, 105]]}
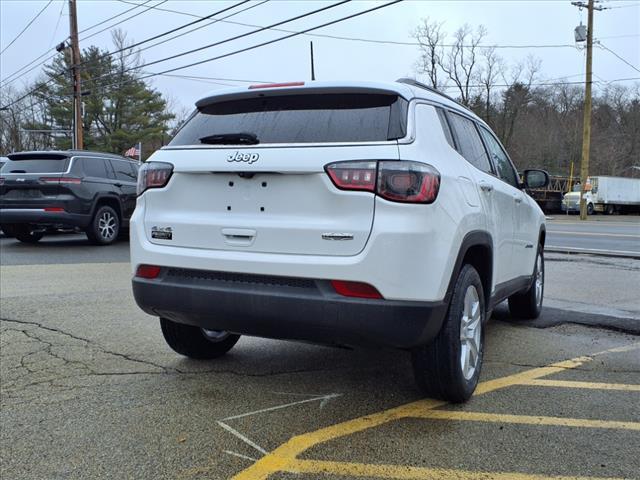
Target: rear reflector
{"points": [[355, 289], [276, 85], [54, 209], [353, 175], [148, 271]]}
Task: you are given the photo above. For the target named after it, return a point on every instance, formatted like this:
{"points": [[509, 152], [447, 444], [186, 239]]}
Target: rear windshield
{"points": [[36, 165], [316, 118]]}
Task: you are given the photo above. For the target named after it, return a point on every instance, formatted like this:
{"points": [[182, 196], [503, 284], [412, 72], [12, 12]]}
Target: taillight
{"points": [[1, 180], [153, 175], [61, 180], [398, 181], [148, 271], [353, 175], [355, 289], [54, 209]]}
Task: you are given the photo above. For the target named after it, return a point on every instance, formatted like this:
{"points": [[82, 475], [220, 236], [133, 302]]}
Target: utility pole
{"points": [[77, 86], [586, 122], [313, 70]]}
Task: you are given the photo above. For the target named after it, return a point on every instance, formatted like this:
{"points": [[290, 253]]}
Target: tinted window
{"points": [[500, 159], [445, 127], [123, 171], [469, 144], [34, 165], [94, 167], [134, 169], [301, 119]]}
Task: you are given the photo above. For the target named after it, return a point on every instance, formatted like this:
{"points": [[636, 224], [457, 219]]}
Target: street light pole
{"points": [[586, 122]]}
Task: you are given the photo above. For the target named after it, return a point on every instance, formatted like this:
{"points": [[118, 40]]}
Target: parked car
{"points": [[90, 191], [3, 160], [375, 214]]}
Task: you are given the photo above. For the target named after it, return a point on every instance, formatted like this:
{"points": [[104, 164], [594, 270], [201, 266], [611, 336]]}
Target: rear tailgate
{"points": [[249, 171], [30, 180], [282, 203]]}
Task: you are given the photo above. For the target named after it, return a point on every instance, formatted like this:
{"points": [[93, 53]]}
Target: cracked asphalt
{"points": [[88, 389]]}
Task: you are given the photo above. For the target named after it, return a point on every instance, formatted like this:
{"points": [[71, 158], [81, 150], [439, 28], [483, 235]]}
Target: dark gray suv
{"points": [[89, 191]]}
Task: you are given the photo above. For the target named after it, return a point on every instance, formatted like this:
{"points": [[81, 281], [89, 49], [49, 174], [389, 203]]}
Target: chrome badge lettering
{"points": [[243, 157]]}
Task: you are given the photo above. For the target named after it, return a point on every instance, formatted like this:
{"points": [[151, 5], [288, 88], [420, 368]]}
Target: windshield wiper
{"points": [[231, 139]]}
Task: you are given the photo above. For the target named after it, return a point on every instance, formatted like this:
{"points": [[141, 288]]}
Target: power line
{"points": [[220, 42], [55, 30], [27, 26], [6, 81], [130, 47], [357, 39], [619, 57], [124, 20], [236, 52], [168, 32]]}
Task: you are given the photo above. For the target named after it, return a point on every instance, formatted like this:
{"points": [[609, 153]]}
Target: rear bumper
{"points": [[39, 216], [286, 308]]}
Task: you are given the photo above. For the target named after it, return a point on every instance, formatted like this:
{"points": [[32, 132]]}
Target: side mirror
{"points": [[535, 178]]}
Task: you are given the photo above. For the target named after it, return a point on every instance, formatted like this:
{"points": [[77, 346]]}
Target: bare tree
{"points": [[430, 36], [491, 69], [461, 64]]}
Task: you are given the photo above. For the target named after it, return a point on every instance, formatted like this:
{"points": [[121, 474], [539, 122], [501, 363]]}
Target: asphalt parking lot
{"points": [[89, 389]]}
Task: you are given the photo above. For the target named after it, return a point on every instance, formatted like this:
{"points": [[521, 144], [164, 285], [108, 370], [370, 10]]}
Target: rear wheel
{"points": [[610, 210], [25, 233], [104, 227], [528, 305], [195, 342], [449, 367]]}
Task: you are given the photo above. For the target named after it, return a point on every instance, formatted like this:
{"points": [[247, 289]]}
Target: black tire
{"points": [[528, 305], [610, 210], [438, 366], [193, 342], [104, 227], [25, 233], [590, 209]]}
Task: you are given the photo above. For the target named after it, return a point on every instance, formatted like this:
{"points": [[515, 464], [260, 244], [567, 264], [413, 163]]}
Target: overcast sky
{"points": [[512, 22]]}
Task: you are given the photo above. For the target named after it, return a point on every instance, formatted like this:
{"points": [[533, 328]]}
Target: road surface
{"points": [[615, 235]]}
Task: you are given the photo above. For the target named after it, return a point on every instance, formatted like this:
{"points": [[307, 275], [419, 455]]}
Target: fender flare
{"points": [[471, 239]]}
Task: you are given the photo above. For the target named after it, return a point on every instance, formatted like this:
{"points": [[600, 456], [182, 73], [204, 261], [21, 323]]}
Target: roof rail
{"points": [[415, 83]]}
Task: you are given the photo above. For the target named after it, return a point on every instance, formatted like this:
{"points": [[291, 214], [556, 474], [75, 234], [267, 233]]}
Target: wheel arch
{"points": [[111, 201], [476, 249]]}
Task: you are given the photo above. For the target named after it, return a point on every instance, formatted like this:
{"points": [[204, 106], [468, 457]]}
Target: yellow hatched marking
{"points": [[586, 385], [526, 419], [285, 456], [349, 469]]}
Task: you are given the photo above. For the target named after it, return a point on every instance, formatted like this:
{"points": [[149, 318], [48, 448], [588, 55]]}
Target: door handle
{"points": [[485, 187], [118, 185]]}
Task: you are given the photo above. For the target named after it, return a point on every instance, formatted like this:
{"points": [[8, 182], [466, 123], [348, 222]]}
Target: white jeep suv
{"points": [[353, 213]]}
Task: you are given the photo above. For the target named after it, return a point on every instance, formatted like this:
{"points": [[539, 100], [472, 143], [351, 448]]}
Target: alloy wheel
{"points": [[470, 333]]}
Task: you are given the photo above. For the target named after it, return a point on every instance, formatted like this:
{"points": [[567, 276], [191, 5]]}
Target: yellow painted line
{"points": [[285, 456], [594, 234], [585, 385], [349, 469], [526, 420]]}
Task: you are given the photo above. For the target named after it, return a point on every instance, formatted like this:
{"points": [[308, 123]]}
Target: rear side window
{"points": [[94, 167], [445, 127], [36, 165], [123, 171], [469, 144], [312, 118]]}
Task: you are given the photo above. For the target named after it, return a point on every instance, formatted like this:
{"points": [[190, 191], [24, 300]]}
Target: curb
{"points": [[589, 251]]}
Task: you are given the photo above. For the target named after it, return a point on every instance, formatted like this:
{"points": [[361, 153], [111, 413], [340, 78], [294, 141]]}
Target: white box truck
{"points": [[607, 195]]}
